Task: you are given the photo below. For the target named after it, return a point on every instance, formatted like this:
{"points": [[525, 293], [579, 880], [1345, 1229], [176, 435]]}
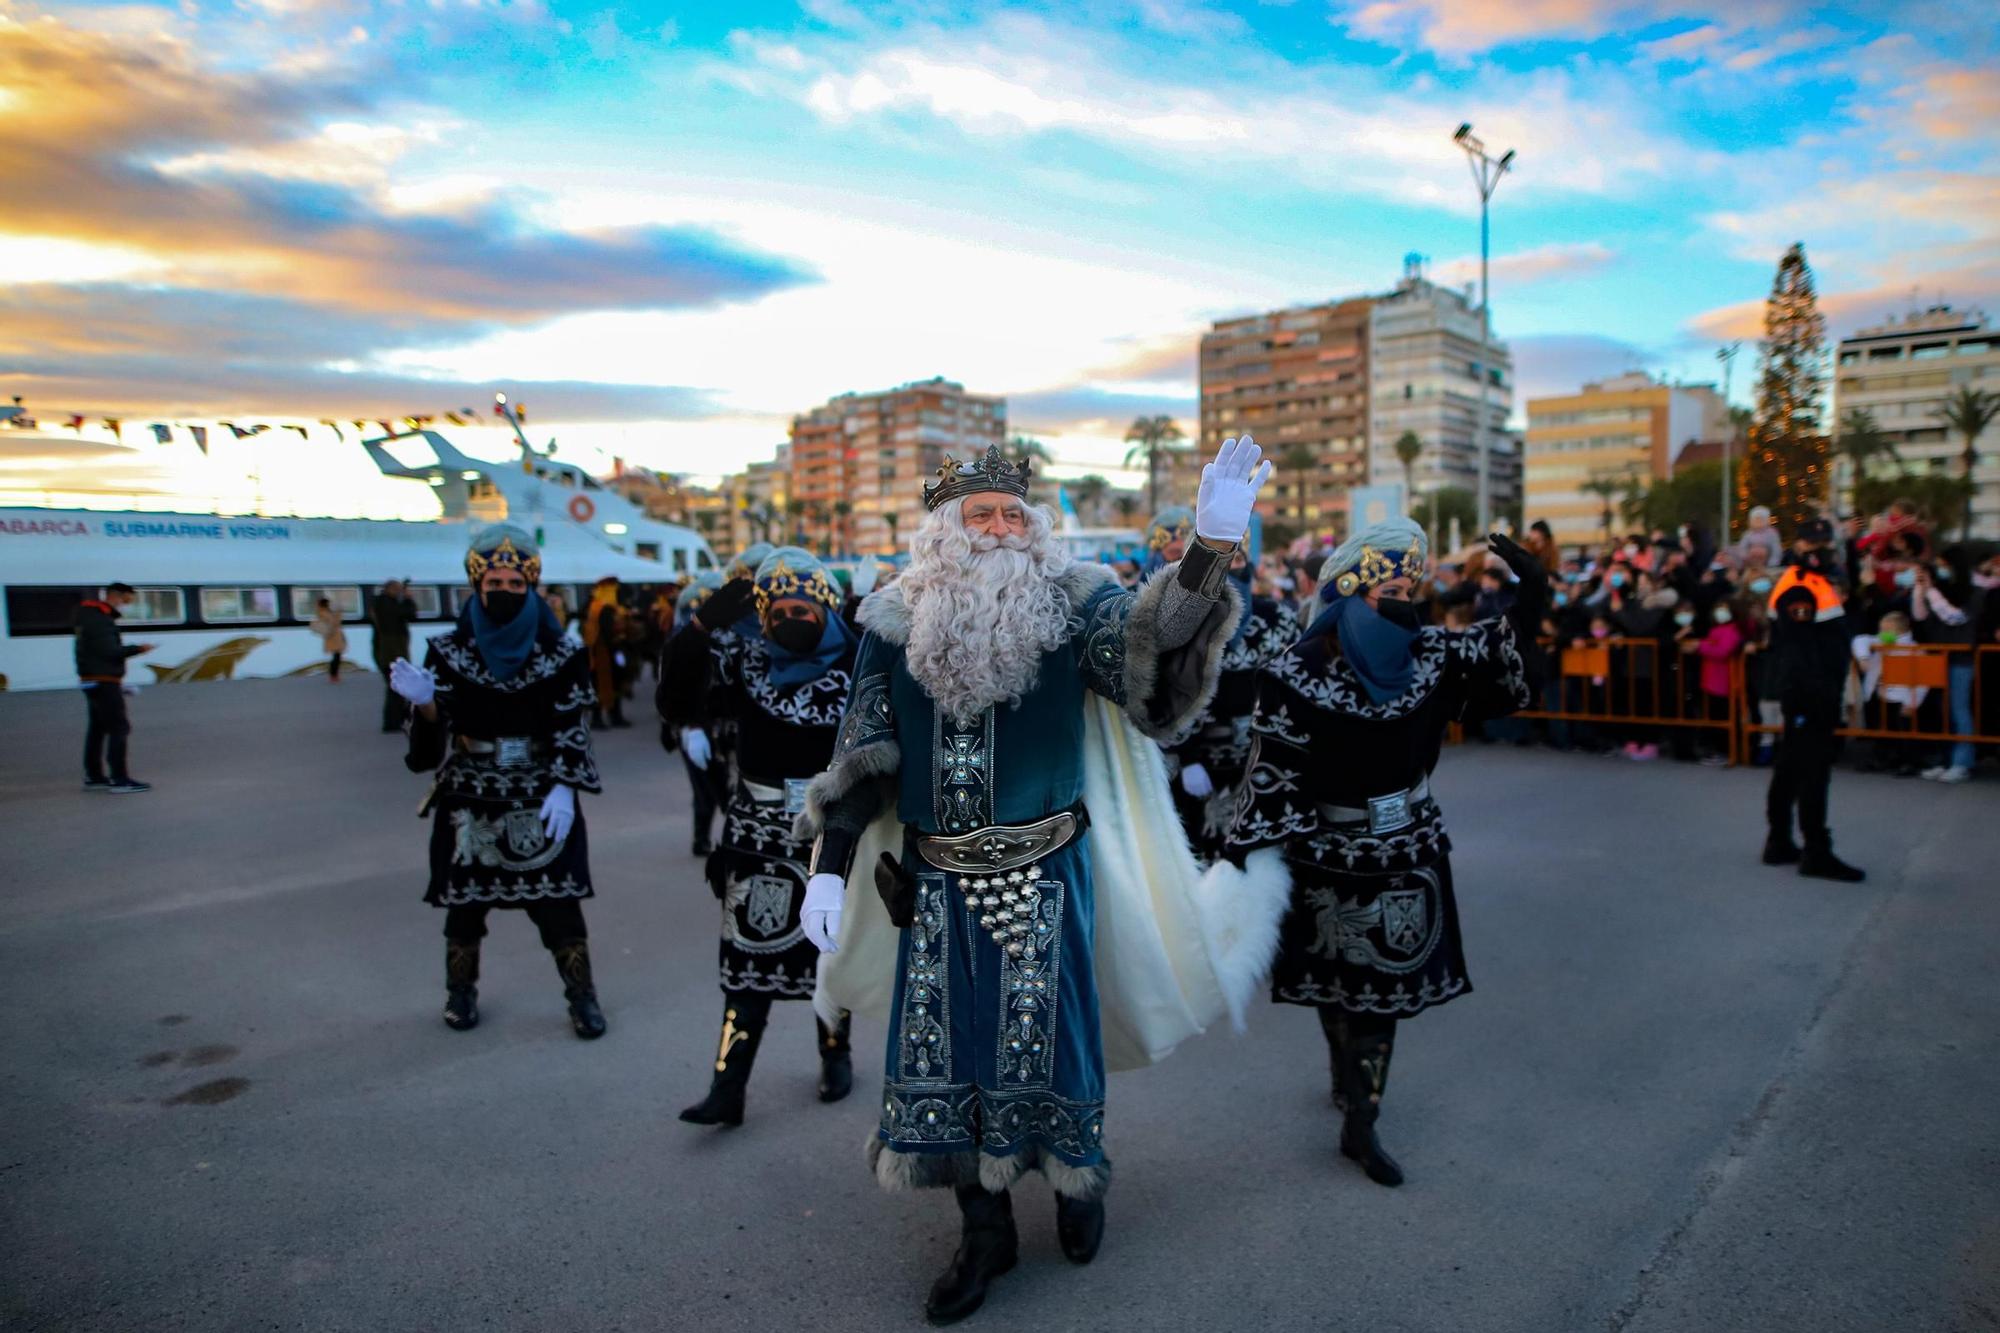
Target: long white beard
{"points": [[983, 611]]}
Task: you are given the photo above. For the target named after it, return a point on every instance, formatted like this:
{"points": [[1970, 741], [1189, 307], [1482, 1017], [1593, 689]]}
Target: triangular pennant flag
{"points": [[115, 426], [76, 422], [200, 434], [454, 418], [300, 429], [335, 428], [161, 432], [235, 430]]}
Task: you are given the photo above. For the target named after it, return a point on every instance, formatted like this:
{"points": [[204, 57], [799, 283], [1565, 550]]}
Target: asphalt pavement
{"points": [[1688, 1092]]}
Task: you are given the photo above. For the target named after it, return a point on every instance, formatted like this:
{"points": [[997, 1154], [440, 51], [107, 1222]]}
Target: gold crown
{"points": [[991, 473], [1378, 567], [783, 581], [504, 556]]}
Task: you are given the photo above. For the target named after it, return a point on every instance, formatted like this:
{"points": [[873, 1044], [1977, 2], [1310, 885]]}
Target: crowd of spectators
{"points": [[1646, 632]]}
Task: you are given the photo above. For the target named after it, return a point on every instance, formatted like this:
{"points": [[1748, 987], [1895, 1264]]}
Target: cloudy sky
{"points": [[668, 228]]}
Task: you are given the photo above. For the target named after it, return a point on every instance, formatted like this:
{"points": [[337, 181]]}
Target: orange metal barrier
{"points": [[1618, 683]]}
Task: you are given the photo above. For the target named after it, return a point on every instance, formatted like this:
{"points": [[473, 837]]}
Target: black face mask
{"points": [[503, 608], [797, 637], [1401, 614]]}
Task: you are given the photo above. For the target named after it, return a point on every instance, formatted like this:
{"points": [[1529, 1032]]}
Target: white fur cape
{"points": [[1176, 949]]}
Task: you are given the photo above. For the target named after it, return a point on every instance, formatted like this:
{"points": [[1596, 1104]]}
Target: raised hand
{"points": [[1229, 488], [726, 605], [412, 682], [1524, 564]]}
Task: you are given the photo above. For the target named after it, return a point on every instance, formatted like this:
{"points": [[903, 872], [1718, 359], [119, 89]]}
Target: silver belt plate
{"points": [[795, 795], [514, 751], [998, 847], [1388, 813]]}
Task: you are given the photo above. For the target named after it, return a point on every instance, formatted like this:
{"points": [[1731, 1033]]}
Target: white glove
{"points": [[1196, 782], [694, 744], [413, 682], [559, 812], [1229, 490], [821, 914]]}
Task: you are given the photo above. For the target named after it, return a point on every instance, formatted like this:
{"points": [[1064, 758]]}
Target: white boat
{"points": [[233, 596]]}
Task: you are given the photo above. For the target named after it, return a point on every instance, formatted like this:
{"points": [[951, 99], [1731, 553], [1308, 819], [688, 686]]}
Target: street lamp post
{"points": [[1726, 354], [1486, 174]]}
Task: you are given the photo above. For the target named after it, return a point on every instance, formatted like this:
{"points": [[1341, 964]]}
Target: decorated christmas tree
{"points": [[1787, 464]]}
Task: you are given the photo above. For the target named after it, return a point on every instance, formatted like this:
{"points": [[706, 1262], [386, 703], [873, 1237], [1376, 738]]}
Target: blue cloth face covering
{"points": [[507, 648], [1377, 650], [789, 669]]}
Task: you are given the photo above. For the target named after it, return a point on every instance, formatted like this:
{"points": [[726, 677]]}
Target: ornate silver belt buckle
{"points": [[1388, 813], [513, 752], [795, 795]]}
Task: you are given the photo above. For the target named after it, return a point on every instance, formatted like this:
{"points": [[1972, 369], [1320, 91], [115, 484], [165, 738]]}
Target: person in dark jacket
{"points": [[101, 654], [391, 611], [1805, 671]]}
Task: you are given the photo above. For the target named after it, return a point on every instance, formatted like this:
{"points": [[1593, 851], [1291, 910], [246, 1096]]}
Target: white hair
{"points": [[983, 609]]}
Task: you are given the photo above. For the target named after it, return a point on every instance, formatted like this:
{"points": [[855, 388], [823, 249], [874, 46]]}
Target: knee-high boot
{"points": [[987, 1248], [743, 1019], [461, 984], [573, 966], [1360, 1046], [836, 1061]]}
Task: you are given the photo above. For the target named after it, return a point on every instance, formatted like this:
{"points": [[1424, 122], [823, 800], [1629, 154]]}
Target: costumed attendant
{"points": [[603, 635], [1006, 710], [1347, 730], [1208, 765], [498, 710], [784, 686], [707, 782]]}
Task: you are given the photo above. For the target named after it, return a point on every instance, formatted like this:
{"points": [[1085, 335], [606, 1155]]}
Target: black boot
{"points": [[1079, 1227], [987, 1248], [836, 1063], [573, 966], [743, 1018], [1819, 862], [1779, 849], [461, 984], [1361, 1048]]}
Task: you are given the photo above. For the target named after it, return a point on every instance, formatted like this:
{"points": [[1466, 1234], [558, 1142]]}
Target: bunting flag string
{"points": [[17, 418]]}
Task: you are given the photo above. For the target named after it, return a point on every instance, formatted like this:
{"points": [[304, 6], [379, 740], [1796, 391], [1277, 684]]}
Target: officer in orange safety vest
{"points": [[1805, 670]]}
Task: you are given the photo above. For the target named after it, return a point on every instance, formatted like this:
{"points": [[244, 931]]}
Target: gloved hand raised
{"points": [[821, 913], [694, 744], [559, 812], [726, 605], [1228, 491], [1196, 782], [412, 682]]}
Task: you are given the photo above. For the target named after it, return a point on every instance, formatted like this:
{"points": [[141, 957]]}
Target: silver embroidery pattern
{"points": [[1491, 643], [999, 1122], [776, 981], [757, 908], [1398, 1000], [963, 763], [1029, 972], [455, 895], [817, 703], [466, 662], [870, 715], [924, 1029], [1103, 635], [941, 1115], [1408, 918], [1420, 845], [1337, 689], [515, 841]]}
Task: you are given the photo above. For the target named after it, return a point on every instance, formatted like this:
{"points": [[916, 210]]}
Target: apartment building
{"points": [[754, 504], [1428, 354], [859, 461], [1296, 379], [1626, 429], [1903, 372]]}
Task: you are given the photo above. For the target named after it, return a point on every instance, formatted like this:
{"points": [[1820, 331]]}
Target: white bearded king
{"points": [[1026, 910]]}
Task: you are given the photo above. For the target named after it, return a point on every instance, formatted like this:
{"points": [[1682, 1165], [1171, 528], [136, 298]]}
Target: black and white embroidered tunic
{"points": [[783, 737], [498, 747], [1220, 742], [1373, 925]]}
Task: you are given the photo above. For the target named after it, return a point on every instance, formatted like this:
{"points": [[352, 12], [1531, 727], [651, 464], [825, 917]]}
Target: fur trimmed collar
{"points": [[884, 615]]}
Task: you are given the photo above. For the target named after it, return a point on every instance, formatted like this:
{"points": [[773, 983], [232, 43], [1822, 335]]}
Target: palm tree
{"points": [[841, 510], [1409, 447], [797, 509], [892, 520], [1606, 489], [1860, 441], [1029, 449], [1969, 412], [1127, 505], [1151, 437], [1088, 492], [1299, 460]]}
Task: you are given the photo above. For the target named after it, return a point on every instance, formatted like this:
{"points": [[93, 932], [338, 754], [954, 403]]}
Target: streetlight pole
{"points": [[1486, 174], [1726, 354]]}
